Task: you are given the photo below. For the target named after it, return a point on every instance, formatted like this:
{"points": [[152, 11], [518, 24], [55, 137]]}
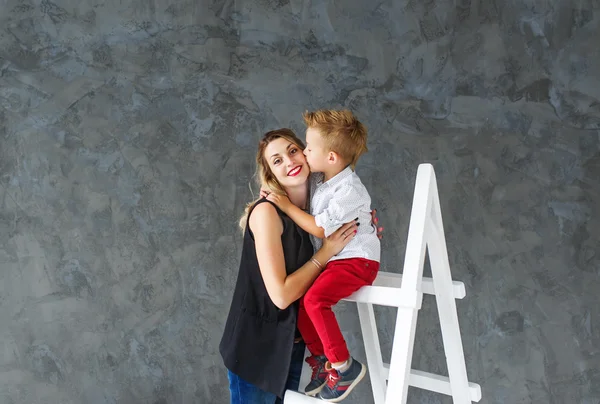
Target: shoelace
{"points": [[333, 378], [315, 366]]}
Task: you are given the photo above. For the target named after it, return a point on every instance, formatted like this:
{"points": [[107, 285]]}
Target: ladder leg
{"points": [[368, 327], [401, 360], [446, 305]]}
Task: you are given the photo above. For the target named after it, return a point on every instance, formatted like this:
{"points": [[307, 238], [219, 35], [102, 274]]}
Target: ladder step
{"points": [[394, 280], [293, 397], [387, 291], [432, 382], [386, 296]]}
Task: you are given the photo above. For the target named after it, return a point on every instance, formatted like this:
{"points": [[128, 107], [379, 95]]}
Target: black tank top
{"points": [[258, 338]]}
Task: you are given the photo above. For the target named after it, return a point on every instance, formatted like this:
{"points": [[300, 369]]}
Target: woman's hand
{"points": [[375, 221], [340, 238]]}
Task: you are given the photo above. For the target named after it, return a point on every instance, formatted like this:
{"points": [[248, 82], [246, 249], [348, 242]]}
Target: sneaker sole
{"points": [[316, 391], [360, 376]]}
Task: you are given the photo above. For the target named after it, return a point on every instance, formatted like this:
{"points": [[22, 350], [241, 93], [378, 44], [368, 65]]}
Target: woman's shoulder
{"points": [[264, 206], [264, 214]]}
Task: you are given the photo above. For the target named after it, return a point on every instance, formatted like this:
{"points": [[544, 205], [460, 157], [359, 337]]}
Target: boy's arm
{"points": [[305, 220]]}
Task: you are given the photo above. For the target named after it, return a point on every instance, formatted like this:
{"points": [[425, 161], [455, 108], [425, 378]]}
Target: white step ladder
{"points": [[425, 233]]}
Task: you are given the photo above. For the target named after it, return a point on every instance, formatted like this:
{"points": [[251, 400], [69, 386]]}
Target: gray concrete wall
{"points": [[127, 135]]}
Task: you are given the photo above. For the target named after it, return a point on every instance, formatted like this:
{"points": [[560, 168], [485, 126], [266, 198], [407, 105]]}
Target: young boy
{"points": [[334, 142]]}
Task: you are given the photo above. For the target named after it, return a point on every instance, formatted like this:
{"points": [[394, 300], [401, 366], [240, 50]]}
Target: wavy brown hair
{"points": [[264, 176]]}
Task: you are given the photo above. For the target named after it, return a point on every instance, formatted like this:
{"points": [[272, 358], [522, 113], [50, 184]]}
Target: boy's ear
{"points": [[332, 157]]}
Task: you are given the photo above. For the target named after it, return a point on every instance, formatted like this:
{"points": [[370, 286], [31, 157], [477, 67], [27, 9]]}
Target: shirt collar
{"points": [[339, 177]]}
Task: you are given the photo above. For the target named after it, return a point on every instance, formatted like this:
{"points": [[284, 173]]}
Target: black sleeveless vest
{"points": [[258, 338]]}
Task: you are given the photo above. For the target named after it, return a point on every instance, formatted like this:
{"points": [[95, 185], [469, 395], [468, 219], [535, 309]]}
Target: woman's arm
{"points": [[285, 289]]}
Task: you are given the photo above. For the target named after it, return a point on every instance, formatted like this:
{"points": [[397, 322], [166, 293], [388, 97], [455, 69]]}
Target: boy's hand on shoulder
{"points": [[264, 192], [282, 201]]}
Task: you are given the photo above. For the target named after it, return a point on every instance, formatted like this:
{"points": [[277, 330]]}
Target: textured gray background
{"points": [[127, 136]]}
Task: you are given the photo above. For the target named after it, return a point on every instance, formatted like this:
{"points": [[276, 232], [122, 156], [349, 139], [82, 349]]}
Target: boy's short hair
{"points": [[341, 131]]}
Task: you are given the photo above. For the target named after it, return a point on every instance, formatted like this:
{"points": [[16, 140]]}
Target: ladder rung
{"points": [[386, 296], [394, 280], [293, 397], [432, 382]]}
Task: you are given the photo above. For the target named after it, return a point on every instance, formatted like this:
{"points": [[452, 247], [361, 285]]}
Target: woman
{"points": [[260, 346]]}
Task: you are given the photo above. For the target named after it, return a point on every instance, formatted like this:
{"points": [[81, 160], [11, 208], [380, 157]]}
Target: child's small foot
{"points": [[340, 384], [319, 375]]}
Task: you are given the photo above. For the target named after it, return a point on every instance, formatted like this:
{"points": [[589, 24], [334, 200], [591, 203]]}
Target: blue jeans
{"points": [[243, 392]]}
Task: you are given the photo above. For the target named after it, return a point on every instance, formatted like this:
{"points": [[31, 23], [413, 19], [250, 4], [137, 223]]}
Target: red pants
{"points": [[316, 320]]}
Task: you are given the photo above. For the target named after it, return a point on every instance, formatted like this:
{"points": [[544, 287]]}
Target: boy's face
{"points": [[316, 153]]}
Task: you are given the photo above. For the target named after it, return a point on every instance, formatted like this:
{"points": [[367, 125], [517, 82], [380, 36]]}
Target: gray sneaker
{"points": [[319, 375], [340, 384]]}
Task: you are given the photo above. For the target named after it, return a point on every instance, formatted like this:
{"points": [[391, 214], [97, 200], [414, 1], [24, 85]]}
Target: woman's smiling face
{"points": [[287, 163]]}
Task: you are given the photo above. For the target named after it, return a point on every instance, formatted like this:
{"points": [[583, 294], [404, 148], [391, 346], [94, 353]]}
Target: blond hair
{"points": [[341, 131], [264, 176]]}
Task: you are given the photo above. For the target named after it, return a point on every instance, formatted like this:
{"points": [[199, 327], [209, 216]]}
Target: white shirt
{"points": [[341, 199]]}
